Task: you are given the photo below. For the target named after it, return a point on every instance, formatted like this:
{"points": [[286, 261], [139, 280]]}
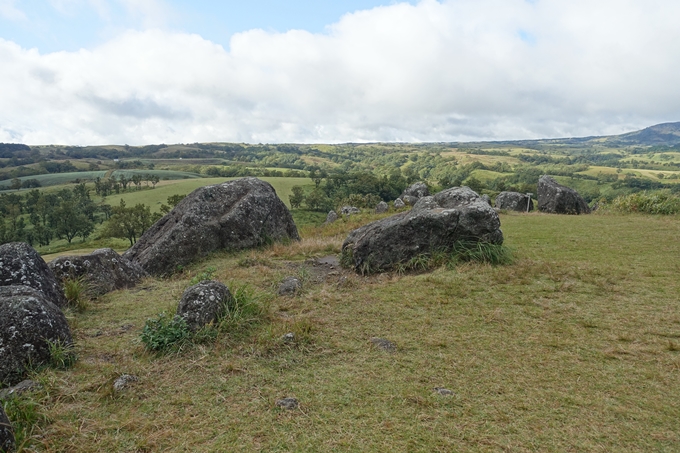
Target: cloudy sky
{"points": [[167, 71]]}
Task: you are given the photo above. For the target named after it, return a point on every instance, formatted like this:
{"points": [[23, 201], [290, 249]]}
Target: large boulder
{"points": [[6, 433], [239, 214], [414, 192], [514, 201], [435, 223], [382, 208], [20, 264], [558, 199], [29, 322], [103, 271], [204, 303]]}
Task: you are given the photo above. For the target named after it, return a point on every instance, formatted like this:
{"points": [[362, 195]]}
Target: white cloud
{"points": [[8, 10], [457, 70]]}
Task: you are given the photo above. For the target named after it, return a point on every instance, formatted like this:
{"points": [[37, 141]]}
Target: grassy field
{"points": [[574, 347], [155, 197], [55, 179]]}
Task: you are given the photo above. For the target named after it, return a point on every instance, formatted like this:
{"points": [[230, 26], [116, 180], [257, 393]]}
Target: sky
{"points": [[89, 72]]}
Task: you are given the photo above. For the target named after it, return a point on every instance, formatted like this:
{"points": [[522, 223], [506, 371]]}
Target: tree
{"points": [[297, 197], [15, 184], [68, 221], [128, 223]]}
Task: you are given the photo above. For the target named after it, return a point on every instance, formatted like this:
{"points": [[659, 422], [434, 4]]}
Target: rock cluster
{"points": [[557, 199], [349, 210], [103, 271], [234, 215], [435, 223]]}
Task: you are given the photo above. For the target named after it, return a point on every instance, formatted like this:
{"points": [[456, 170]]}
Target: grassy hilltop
{"points": [[573, 347]]}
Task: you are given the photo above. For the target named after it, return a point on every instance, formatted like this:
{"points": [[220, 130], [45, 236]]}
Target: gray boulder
{"points": [[331, 217], [103, 271], [417, 190], [21, 265], [204, 303], [349, 210], [409, 199], [7, 443], [29, 322], [382, 208], [557, 199], [486, 198], [240, 214], [435, 223], [399, 203], [514, 201]]}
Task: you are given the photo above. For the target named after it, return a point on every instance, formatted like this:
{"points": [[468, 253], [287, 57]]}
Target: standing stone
{"points": [[382, 208], [240, 214], [331, 217], [103, 271], [514, 201], [29, 322], [21, 265], [557, 199], [6, 433], [204, 303]]}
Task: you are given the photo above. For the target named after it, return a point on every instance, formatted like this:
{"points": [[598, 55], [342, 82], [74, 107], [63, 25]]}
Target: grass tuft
{"points": [[62, 355], [75, 290]]}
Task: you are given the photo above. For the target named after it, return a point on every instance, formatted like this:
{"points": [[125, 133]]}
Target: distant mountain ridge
{"points": [[660, 134]]}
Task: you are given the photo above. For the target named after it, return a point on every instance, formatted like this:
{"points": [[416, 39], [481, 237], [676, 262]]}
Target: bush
{"points": [[165, 334], [647, 203]]}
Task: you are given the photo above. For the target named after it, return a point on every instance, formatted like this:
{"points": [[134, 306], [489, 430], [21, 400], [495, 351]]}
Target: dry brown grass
{"points": [[572, 348]]}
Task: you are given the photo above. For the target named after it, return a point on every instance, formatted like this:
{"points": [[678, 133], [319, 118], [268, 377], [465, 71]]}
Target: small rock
{"points": [[204, 303], [399, 203], [288, 338], [381, 208], [331, 217], [7, 442], [383, 344], [442, 391], [289, 286], [123, 382], [349, 210], [409, 199], [23, 386], [288, 403]]}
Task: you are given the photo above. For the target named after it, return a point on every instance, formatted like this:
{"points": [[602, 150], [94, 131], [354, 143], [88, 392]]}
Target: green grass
{"points": [[155, 197], [573, 347]]}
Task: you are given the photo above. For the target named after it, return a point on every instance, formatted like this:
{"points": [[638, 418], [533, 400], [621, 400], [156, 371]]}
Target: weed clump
{"points": [[165, 334], [207, 274], [75, 290], [62, 355]]}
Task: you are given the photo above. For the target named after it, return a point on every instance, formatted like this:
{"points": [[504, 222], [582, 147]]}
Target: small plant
{"points": [[347, 257], [165, 334], [26, 416], [244, 310], [75, 290], [207, 274], [481, 252], [62, 354]]}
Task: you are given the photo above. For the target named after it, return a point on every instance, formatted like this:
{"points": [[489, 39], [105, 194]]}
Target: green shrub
{"points": [[165, 334], [662, 202], [245, 310], [75, 290]]}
